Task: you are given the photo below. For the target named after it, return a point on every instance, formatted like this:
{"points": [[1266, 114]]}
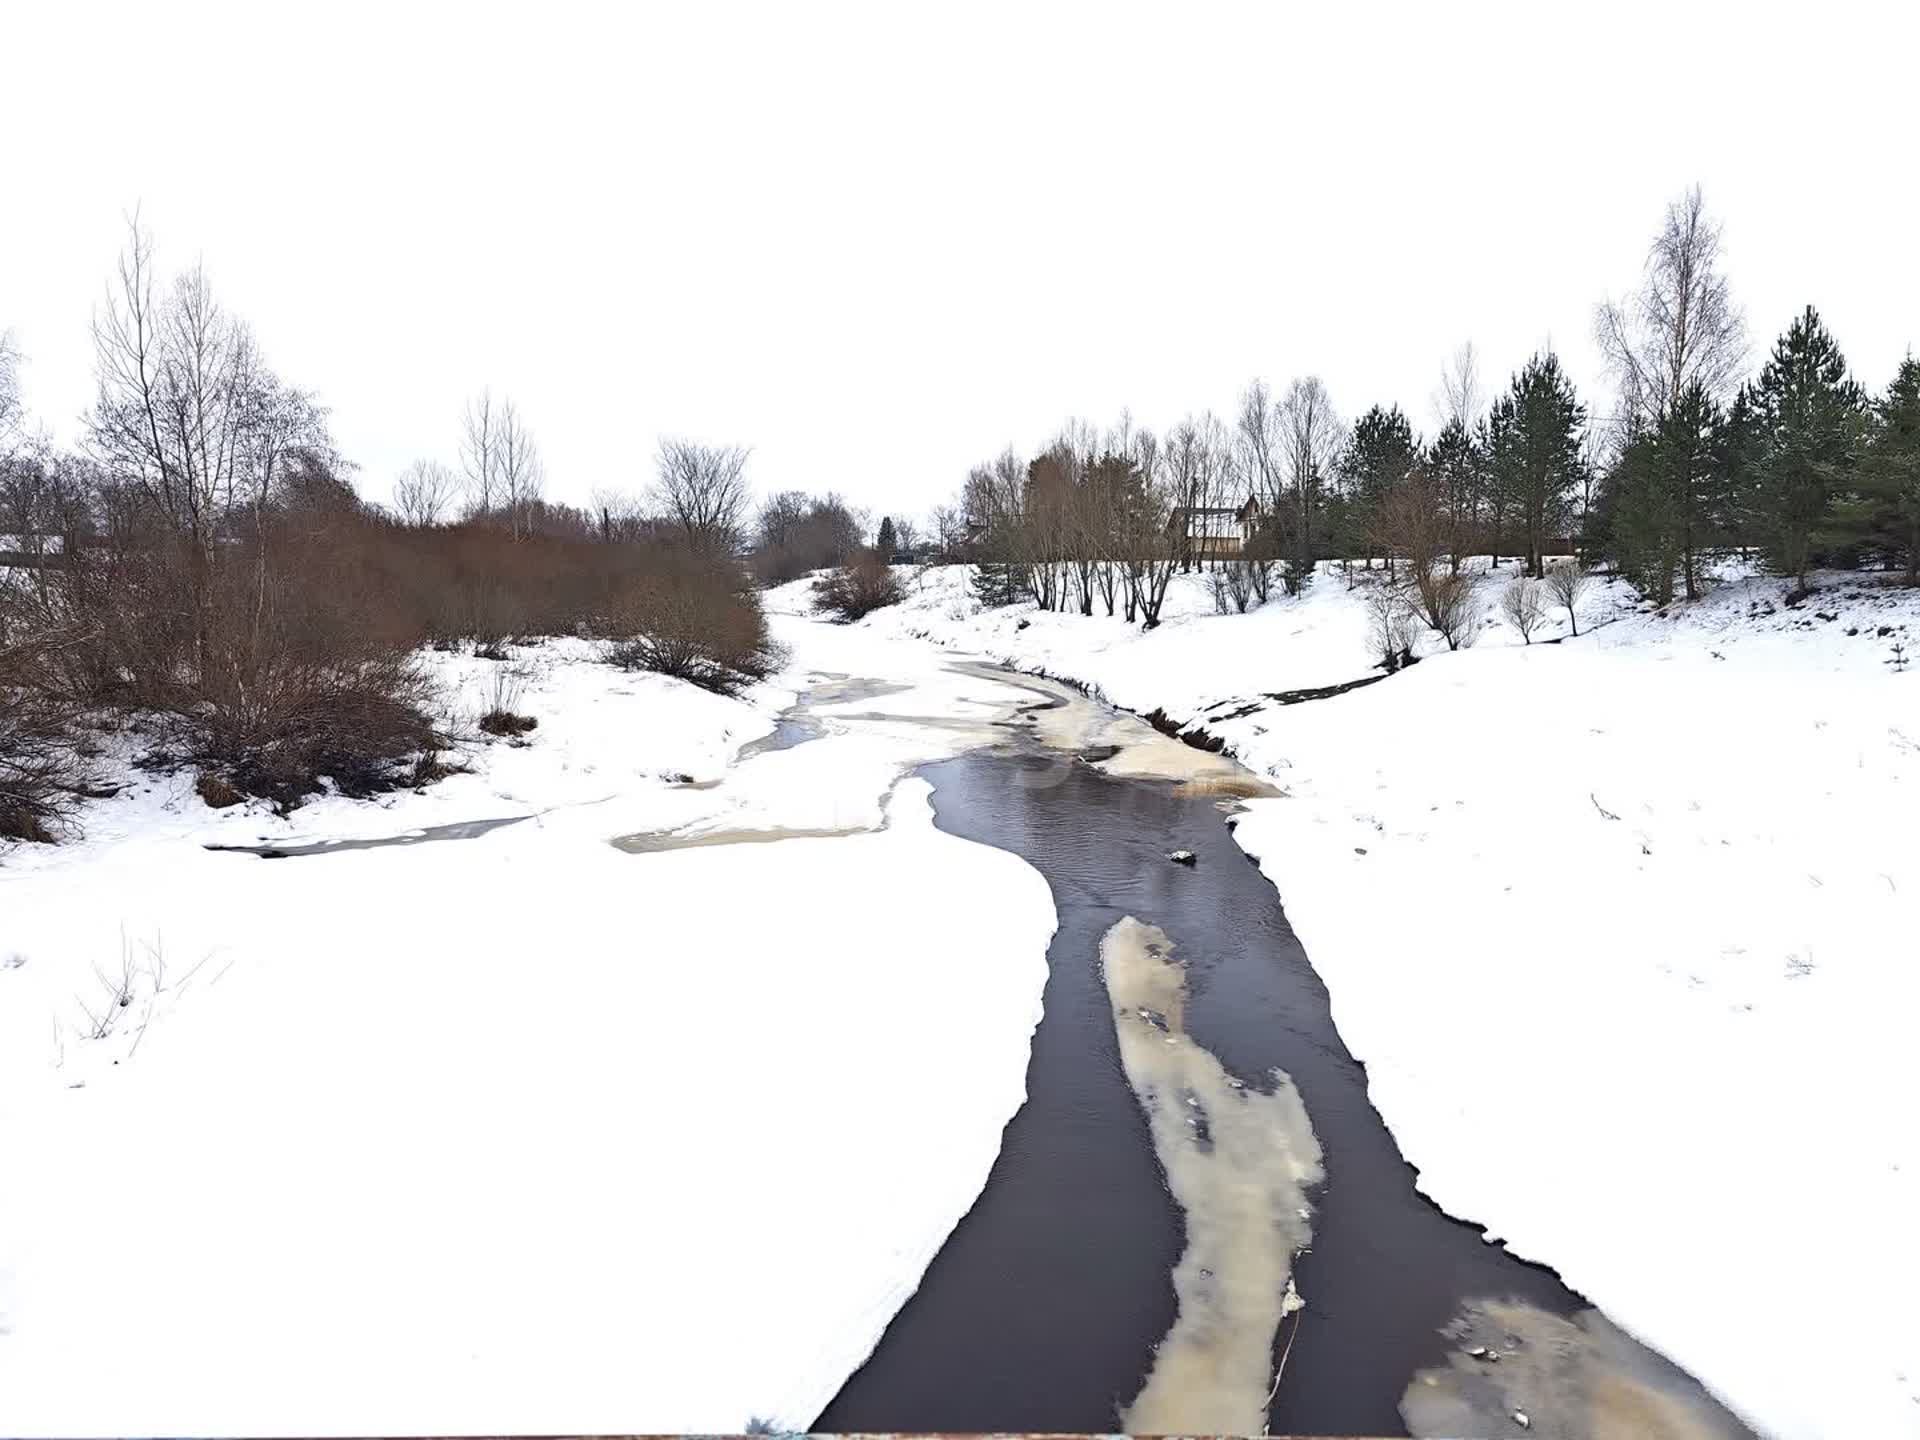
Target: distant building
{"points": [[1215, 532]]}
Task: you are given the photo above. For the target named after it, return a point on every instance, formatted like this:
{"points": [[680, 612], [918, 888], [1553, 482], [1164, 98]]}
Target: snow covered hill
{"points": [[1626, 930]]}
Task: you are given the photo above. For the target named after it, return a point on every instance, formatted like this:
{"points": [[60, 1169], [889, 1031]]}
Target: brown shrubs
{"points": [[694, 619], [864, 584]]}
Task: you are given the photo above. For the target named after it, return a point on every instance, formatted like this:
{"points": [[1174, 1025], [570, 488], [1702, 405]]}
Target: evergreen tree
{"points": [[995, 582], [1379, 453], [1533, 435], [884, 541], [1670, 496], [1883, 513], [1806, 419], [1459, 470]]}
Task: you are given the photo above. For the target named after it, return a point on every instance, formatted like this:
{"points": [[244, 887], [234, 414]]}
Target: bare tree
{"points": [[1681, 327], [1150, 548], [185, 415], [1310, 435], [1524, 605], [1461, 392], [949, 530], [517, 467], [480, 453], [702, 490], [423, 491], [1568, 583]]}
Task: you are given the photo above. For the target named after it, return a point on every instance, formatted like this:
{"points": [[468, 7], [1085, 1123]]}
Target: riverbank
{"points": [[1616, 926], [500, 1128]]}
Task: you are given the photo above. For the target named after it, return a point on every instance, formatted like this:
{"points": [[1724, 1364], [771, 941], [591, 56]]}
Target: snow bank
{"points": [[514, 1133], [1623, 929]]}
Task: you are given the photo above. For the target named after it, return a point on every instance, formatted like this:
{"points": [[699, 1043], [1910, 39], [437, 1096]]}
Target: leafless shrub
{"points": [[864, 584], [1232, 585], [41, 775], [694, 620], [1449, 603], [1568, 583], [103, 1012], [1523, 602], [501, 713], [1392, 627]]}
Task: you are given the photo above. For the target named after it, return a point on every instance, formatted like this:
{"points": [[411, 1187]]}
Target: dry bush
{"points": [[691, 618], [1392, 627], [1523, 602], [216, 791], [1568, 583], [1448, 603], [41, 777], [864, 584], [502, 715], [1232, 583]]}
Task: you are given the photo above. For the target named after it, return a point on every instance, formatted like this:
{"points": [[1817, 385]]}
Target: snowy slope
{"points": [[1623, 929], [510, 1133]]}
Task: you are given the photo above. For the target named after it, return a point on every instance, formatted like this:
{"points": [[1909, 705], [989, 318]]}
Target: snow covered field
{"points": [[1624, 929], [516, 1132]]}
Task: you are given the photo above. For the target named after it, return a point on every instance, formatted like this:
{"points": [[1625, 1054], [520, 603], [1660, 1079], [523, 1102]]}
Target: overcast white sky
{"points": [[879, 243]]}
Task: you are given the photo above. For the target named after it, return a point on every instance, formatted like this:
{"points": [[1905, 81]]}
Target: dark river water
{"points": [[1042, 1310]]}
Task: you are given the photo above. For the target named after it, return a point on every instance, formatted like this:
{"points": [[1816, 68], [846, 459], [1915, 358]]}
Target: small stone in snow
{"points": [[1184, 857], [1359, 849]]}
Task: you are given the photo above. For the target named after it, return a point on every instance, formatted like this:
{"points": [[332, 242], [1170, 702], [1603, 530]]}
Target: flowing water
{"points": [[1197, 1221], [1074, 1278]]}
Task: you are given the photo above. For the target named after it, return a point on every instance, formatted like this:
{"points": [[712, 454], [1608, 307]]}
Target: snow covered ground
{"points": [[516, 1132], [1624, 929]]}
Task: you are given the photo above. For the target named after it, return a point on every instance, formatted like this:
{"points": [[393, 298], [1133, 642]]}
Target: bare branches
{"points": [[1523, 602], [1461, 394], [479, 453], [1310, 435], [423, 492], [522, 478], [1567, 584], [1391, 626], [1679, 329], [703, 490]]}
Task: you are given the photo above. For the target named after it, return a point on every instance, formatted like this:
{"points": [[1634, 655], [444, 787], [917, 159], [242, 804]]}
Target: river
{"points": [[1043, 1310]]}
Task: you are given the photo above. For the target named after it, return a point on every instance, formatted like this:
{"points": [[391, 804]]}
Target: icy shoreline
{"points": [[1607, 969], [512, 1132]]}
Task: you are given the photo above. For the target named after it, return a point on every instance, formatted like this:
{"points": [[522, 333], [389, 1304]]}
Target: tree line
{"points": [[1798, 464], [201, 567]]}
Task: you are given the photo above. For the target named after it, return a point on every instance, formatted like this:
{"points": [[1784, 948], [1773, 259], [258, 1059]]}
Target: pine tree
{"points": [[1807, 414], [1459, 469], [1883, 513], [1533, 435], [884, 541], [1379, 453], [1670, 496], [996, 583]]}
